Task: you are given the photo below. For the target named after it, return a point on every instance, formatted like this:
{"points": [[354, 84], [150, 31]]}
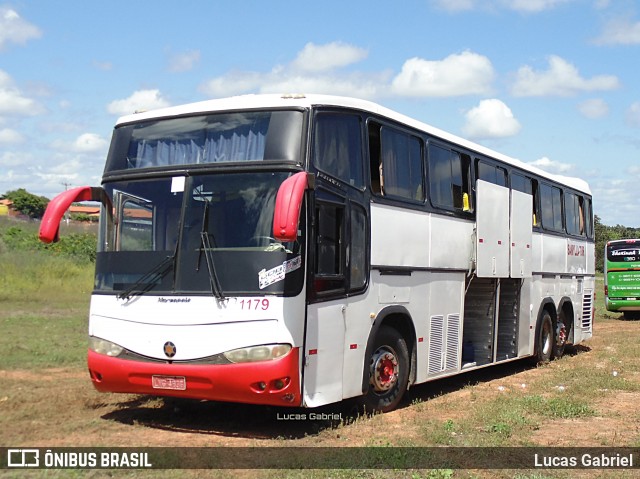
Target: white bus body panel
{"points": [[415, 239], [521, 233], [492, 237]]}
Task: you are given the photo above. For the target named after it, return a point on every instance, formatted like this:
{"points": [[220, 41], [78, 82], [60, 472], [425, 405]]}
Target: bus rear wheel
{"points": [[561, 334], [545, 339], [388, 368]]}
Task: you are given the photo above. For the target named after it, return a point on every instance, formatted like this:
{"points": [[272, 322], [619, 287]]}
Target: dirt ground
{"points": [[59, 407]]}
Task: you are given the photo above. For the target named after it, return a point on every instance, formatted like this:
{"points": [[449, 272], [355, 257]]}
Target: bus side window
{"points": [[551, 205], [588, 218], [529, 186], [358, 248], [492, 174], [449, 178], [338, 147], [401, 172]]}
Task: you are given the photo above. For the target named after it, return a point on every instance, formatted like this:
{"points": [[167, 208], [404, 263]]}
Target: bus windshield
{"points": [[623, 252], [198, 234], [206, 140]]}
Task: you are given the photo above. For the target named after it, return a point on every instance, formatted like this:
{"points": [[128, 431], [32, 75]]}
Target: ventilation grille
{"points": [[444, 344], [587, 309], [436, 336]]}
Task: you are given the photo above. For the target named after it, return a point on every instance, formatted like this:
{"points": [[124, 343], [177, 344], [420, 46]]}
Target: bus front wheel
{"points": [[388, 368]]}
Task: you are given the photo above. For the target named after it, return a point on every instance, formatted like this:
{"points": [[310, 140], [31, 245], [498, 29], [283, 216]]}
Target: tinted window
{"points": [[401, 165], [492, 174], [205, 139], [551, 206], [574, 214], [449, 178], [338, 147]]}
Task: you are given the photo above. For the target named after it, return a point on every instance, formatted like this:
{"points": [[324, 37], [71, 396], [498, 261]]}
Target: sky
{"points": [[554, 83]]}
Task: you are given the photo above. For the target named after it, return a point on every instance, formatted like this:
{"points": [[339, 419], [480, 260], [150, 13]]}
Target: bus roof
{"points": [[307, 101]]}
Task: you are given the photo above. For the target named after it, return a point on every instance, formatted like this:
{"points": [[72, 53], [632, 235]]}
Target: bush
{"points": [[78, 246]]}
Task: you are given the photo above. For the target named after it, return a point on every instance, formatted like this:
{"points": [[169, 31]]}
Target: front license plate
{"points": [[176, 383]]}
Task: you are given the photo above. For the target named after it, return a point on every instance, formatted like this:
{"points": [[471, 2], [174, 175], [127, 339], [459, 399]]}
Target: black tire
{"points": [[561, 334], [388, 370], [631, 315], [545, 339]]}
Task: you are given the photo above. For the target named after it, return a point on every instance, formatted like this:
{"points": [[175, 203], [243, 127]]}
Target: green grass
{"points": [[44, 304]]}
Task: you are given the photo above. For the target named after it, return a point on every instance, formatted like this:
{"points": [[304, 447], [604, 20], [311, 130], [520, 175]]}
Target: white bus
{"points": [[299, 250]]}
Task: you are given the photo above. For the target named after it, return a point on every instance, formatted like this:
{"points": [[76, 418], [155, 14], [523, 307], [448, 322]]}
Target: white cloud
{"points": [[321, 58], [316, 70], [532, 6], [182, 62], [233, 83], [85, 143], [633, 115], [9, 136], [620, 31], [139, 100], [103, 66], [14, 29], [561, 79], [10, 159], [594, 108], [490, 119], [455, 5], [523, 6], [466, 73], [312, 71], [13, 101], [551, 166]]}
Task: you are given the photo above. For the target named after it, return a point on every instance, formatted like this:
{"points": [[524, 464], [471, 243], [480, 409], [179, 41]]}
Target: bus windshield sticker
{"points": [[267, 278], [177, 184]]}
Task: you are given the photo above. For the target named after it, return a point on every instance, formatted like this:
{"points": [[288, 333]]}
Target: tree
{"points": [[26, 203]]}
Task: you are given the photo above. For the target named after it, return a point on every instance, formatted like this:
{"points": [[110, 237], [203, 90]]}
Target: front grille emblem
{"points": [[169, 349]]}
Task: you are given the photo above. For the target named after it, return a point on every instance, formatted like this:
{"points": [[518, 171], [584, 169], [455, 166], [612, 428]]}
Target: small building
{"points": [[6, 208]]}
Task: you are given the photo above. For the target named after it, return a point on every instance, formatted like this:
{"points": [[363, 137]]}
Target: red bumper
{"points": [[275, 382]]}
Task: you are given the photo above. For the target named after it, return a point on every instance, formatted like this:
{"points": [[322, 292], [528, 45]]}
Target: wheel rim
{"points": [[384, 369], [561, 334], [546, 338]]}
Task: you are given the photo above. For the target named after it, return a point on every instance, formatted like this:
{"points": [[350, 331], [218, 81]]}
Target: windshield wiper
{"points": [[205, 244], [147, 280]]}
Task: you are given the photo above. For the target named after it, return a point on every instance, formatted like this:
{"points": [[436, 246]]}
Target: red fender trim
{"points": [[50, 225], [287, 210]]}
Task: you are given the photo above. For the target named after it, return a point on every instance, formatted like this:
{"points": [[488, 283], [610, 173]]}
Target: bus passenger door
{"points": [[338, 268], [325, 331]]}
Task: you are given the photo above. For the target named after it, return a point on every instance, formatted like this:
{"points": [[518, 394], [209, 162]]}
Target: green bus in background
{"points": [[622, 277]]}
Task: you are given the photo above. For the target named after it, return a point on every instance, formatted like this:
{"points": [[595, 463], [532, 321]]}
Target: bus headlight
{"points": [[102, 346], [264, 352]]}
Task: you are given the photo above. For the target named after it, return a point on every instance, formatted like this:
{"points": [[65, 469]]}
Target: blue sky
{"points": [[555, 83]]}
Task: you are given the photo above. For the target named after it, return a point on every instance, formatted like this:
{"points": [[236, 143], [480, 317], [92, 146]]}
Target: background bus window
{"points": [[551, 206], [338, 147], [401, 165]]}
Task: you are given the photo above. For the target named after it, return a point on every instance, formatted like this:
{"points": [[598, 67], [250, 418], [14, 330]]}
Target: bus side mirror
{"points": [[286, 215], [50, 225]]}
